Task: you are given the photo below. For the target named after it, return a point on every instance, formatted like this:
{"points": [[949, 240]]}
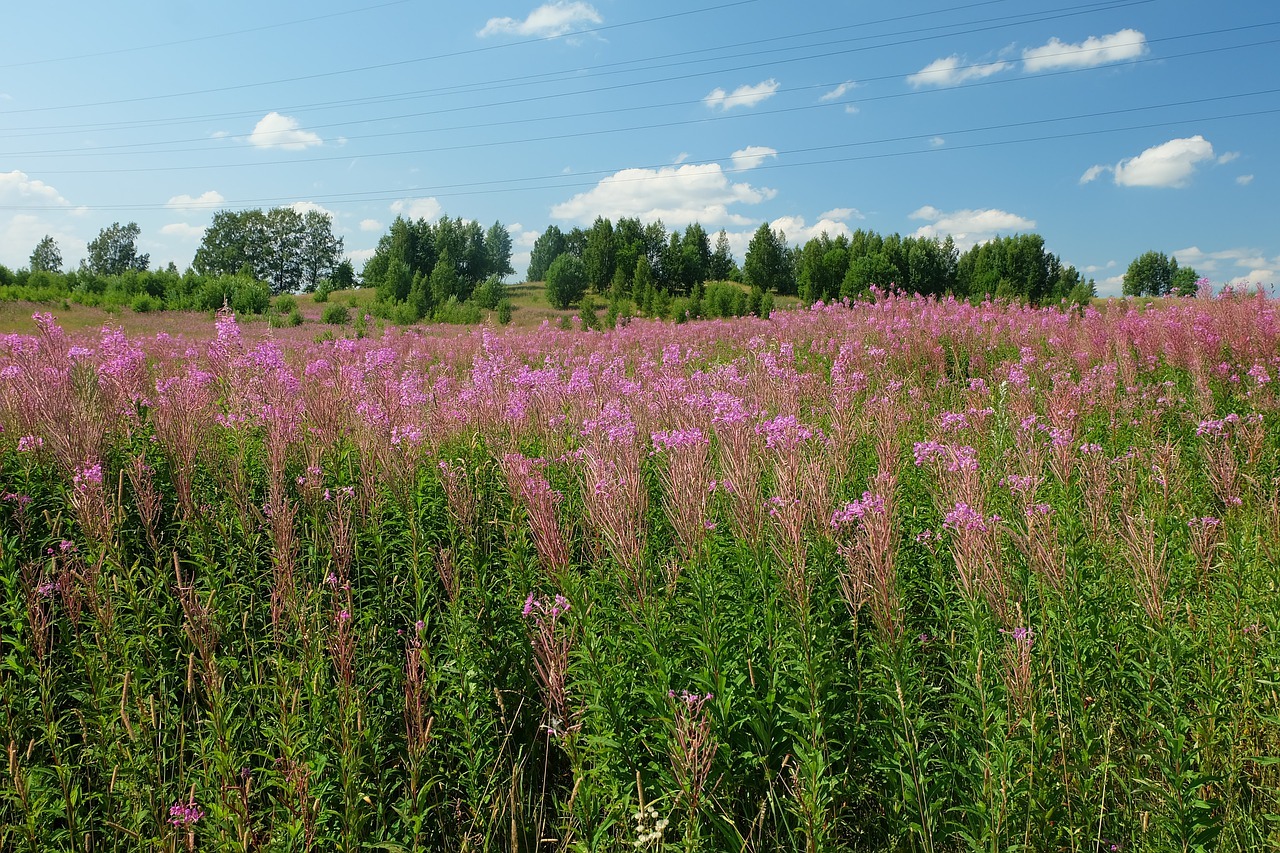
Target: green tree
{"points": [[46, 257], [497, 249], [695, 249], [600, 254], [1154, 274], [628, 241], [1185, 281], [721, 266], [550, 245], [445, 282], [233, 241], [767, 264], [873, 269], [566, 281], [320, 249], [344, 275], [115, 251], [284, 264]]}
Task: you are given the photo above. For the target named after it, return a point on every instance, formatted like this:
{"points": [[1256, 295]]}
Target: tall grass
{"points": [[901, 575]]}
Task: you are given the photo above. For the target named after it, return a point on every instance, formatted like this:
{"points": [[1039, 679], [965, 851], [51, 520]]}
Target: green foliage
{"points": [[461, 313], [566, 281], [768, 262], [290, 250], [46, 257], [550, 245], [144, 303], [504, 312], [451, 256], [285, 303], [335, 314], [115, 251], [490, 292], [181, 645], [1155, 274]]}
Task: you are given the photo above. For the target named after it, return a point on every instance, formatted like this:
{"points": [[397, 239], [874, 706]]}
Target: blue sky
{"points": [[1111, 127]]}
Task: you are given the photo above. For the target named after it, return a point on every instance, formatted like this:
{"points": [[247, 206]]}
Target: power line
{"points": [[472, 188], [602, 69], [196, 39], [386, 65], [110, 150], [589, 133]]}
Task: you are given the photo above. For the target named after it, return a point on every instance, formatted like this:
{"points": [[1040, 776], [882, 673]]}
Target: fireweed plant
{"points": [[903, 574]]}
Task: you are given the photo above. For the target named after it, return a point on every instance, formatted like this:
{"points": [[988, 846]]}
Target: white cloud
{"points": [[1093, 268], [839, 91], [677, 195], [20, 234], [681, 157], [743, 96], [850, 109], [182, 230], [359, 256], [1225, 262], [1095, 50], [417, 208], [1110, 286], [799, 232], [370, 225], [842, 213], [18, 188], [546, 21], [521, 236], [969, 227], [1244, 180], [1227, 157], [278, 131], [752, 156], [210, 198], [1170, 164], [937, 141], [305, 207], [220, 134], [1256, 276], [1092, 173], [953, 70]]}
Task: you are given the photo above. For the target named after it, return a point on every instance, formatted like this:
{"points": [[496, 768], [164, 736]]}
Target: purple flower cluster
{"points": [[185, 814], [964, 517], [855, 511]]}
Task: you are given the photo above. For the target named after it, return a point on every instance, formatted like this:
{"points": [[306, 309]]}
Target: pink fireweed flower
{"points": [[856, 511], [87, 475], [964, 517], [1022, 636], [30, 443], [185, 814]]}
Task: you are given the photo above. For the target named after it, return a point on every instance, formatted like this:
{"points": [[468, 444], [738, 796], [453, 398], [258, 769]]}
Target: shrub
{"points": [[566, 281], [504, 311], [461, 313], [490, 292], [285, 303], [250, 297], [336, 314], [144, 304]]}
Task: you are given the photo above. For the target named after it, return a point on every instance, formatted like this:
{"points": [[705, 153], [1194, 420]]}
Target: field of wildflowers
{"points": [[902, 575]]}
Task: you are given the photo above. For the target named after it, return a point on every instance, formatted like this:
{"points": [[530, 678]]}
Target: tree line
{"points": [[453, 268], [628, 258]]}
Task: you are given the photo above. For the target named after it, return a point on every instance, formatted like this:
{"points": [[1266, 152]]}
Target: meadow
{"points": [[903, 574]]}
